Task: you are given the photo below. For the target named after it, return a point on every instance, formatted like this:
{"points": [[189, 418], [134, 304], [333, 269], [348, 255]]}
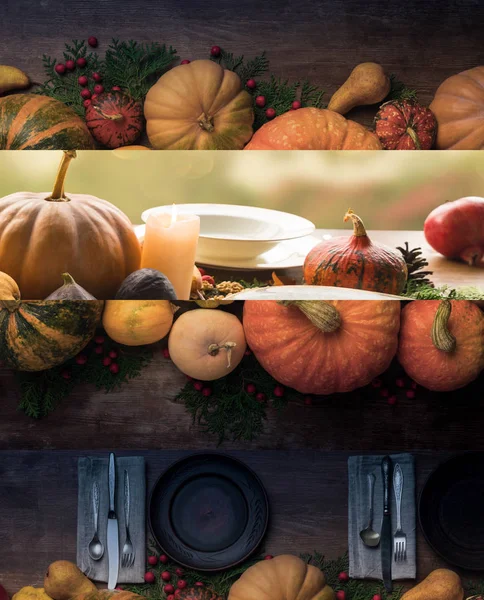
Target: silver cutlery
{"points": [[128, 555], [369, 536], [113, 527], [399, 538], [386, 528], [96, 548]]}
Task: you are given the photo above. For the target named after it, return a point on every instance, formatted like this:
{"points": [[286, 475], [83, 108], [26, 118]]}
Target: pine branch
{"points": [[399, 91]]}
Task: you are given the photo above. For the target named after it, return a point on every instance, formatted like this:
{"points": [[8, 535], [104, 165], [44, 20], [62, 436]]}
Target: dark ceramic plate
{"points": [[451, 511], [208, 512]]}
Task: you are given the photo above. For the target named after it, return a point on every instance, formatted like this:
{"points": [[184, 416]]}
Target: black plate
{"points": [[208, 512], [451, 511]]}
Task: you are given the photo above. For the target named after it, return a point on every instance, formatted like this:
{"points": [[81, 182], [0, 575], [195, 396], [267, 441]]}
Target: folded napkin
{"points": [[365, 563], [92, 470]]}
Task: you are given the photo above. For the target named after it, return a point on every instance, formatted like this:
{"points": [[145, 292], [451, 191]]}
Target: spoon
{"points": [[370, 537], [96, 548]]}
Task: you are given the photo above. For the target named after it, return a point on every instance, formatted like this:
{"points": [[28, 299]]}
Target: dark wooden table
{"points": [[307, 493], [423, 42]]}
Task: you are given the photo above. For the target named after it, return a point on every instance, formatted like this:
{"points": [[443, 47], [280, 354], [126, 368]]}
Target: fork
{"points": [[400, 538], [128, 555]]}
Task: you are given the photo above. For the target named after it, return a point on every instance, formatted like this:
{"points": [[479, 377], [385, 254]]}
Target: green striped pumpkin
{"points": [[39, 335], [34, 122]]}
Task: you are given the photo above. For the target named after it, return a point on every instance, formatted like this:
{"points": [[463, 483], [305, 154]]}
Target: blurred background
{"points": [[389, 190]]}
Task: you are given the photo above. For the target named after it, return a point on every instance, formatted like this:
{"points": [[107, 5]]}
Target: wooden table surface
{"points": [[422, 42], [452, 273], [307, 494]]}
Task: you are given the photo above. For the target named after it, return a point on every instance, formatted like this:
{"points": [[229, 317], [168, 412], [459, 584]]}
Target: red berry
{"points": [[97, 76], [166, 353], [81, 359], [113, 354], [86, 94], [107, 361], [410, 393], [185, 62], [198, 385], [250, 388], [150, 577], [206, 391], [376, 383], [179, 571], [115, 88], [270, 113], [163, 559], [119, 587], [94, 96], [189, 378], [251, 84], [168, 589], [60, 69], [202, 271], [182, 584], [98, 89], [82, 80], [247, 352], [92, 41], [99, 339], [209, 279], [114, 368], [81, 62], [343, 576], [166, 576], [152, 560], [308, 400], [295, 105], [340, 595], [376, 597], [414, 385], [384, 392], [260, 397], [70, 65], [66, 375], [399, 382], [171, 597], [268, 557], [278, 391], [260, 101], [199, 584], [215, 51], [86, 103], [392, 400], [98, 350]]}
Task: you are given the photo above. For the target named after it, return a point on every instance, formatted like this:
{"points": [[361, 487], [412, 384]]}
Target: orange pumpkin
{"points": [[442, 343], [44, 235], [199, 106], [284, 577], [323, 347], [356, 262], [458, 106], [313, 129]]}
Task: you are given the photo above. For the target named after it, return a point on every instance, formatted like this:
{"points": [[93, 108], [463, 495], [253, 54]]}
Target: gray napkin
{"points": [[92, 470], [365, 563]]}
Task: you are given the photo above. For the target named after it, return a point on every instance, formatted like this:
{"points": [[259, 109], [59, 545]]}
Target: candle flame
{"points": [[173, 214]]}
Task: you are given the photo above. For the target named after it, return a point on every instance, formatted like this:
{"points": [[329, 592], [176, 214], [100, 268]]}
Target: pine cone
{"points": [[415, 263]]}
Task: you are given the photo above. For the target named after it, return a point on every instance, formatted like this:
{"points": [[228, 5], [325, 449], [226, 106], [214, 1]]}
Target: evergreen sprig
{"points": [[399, 91]]}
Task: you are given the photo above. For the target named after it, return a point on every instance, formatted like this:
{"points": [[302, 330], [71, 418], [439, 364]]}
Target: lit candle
{"points": [[170, 246]]}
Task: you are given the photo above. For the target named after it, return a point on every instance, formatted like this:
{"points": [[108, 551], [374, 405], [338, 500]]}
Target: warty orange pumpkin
{"points": [[198, 106], [313, 129], [323, 347], [43, 235]]}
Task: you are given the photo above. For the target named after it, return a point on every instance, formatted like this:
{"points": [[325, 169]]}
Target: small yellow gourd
{"points": [[367, 84]]}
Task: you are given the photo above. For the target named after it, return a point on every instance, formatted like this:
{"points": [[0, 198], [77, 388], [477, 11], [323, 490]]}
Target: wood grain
{"points": [[422, 42], [307, 493]]}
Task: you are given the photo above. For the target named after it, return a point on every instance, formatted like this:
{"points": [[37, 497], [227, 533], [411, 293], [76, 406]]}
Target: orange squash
{"points": [[44, 235], [442, 343], [356, 262], [313, 129], [199, 106], [458, 106], [323, 347], [284, 577]]}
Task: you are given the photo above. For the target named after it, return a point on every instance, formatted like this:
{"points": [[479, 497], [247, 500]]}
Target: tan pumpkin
{"points": [[44, 235], [458, 106], [199, 106], [284, 577], [313, 129], [137, 322], [207, 344]]}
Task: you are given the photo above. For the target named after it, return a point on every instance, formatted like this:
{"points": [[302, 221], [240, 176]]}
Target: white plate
{"points": [[311, 292], [239, 233]]}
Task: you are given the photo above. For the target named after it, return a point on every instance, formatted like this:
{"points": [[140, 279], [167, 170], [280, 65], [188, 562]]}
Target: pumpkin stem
{"points": [[58, 191], [358, 227], [322, 314], [10, 305], [414, 136], [68, 279], [206, 123], [214, 349], [441, 336], [115, 117]]}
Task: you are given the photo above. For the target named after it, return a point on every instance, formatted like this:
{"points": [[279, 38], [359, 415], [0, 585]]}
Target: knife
{"points": [[113, 527], [386, 541]]}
